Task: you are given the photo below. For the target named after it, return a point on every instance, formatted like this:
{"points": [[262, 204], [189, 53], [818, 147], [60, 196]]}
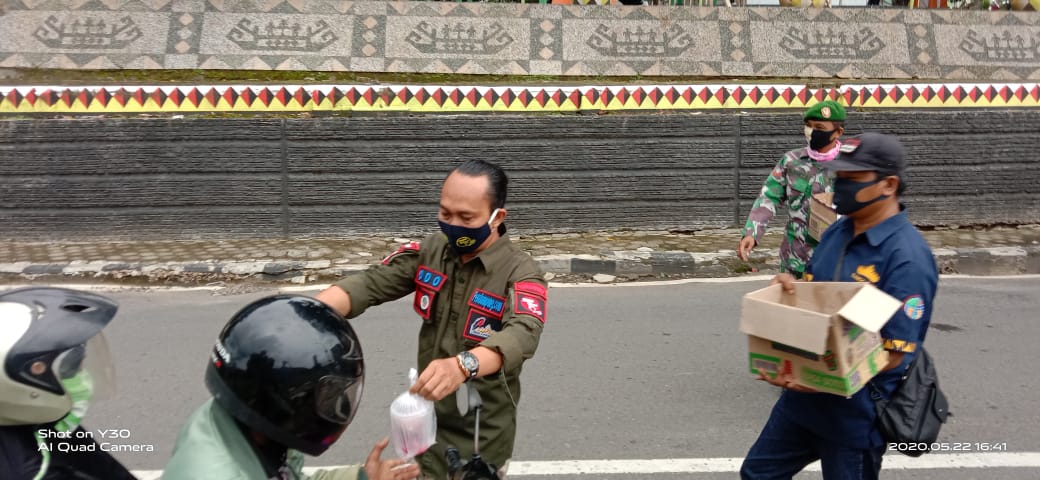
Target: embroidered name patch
{"points": [[530, 299], [430, 278], [480, 325], [412, 247], [913, 307], [488, 302]]}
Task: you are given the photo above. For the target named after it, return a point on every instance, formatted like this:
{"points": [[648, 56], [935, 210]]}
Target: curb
{"points": [[607, 268]]}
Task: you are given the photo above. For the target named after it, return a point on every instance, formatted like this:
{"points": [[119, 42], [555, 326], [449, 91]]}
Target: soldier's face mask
{"points": [[845, 191], [467, 239]]}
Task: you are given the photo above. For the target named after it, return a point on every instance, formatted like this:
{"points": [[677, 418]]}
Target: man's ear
{"points": [[890, 185], [499, 218]]}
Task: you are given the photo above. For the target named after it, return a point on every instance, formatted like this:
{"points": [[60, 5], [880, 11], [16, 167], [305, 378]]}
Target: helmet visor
{"points": [[87, 366], [338, 398]]}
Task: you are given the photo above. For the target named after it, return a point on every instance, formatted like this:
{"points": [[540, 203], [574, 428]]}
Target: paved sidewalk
{"points": [[601, 256]]}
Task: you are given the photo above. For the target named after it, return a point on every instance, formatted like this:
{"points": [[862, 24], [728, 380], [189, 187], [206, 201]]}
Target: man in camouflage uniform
{"points": [[791, 185], [482, 305]]}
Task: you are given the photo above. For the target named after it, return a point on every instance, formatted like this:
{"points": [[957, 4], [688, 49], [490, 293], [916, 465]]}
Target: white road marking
{"points": [[731, 465]]}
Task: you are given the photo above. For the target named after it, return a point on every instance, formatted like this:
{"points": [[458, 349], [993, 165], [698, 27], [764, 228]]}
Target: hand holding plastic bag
{"points": [[413, 423]]}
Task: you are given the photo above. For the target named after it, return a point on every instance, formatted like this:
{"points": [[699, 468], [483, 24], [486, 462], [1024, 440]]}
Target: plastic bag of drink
{"points": [[413, 423]]}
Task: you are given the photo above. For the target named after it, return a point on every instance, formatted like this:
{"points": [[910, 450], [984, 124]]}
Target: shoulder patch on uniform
{"points": [[530, 299], [913, 307], [430, 278], [410, 247], [533, 288]]}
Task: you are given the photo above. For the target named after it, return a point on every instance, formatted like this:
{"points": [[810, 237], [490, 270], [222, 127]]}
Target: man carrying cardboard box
{"points": [[874, 243], [791, 185]]}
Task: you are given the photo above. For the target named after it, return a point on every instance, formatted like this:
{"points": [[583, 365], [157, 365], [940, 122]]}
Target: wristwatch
{"points": [[469, 364]]}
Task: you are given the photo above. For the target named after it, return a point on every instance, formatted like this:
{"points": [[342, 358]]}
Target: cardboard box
{"points": [[825, 334], [821, 214]]}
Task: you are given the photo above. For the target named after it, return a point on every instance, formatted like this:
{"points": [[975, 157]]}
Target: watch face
{"points": [[470, 362]]}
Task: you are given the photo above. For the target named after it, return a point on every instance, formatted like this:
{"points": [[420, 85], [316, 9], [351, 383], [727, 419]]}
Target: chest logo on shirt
{"points": [[480, 325], [913, 307], [866, 273], [488, 302]]}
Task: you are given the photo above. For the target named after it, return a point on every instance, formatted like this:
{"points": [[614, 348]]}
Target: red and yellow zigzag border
{"points": [[447, 99]]}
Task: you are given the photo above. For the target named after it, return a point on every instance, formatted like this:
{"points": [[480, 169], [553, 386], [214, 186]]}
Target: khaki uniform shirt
{"points": [[496, 300]]}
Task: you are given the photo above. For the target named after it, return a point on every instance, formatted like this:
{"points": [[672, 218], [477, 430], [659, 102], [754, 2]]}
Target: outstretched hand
{"points": [[440, 378], [378, 469]]}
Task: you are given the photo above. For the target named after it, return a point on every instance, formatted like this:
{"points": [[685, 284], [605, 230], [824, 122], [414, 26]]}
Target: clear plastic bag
{"points": [[413, 423]]}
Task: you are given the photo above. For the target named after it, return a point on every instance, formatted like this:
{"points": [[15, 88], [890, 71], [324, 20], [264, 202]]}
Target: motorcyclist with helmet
{"points": [[286, 375], [55, 363]]}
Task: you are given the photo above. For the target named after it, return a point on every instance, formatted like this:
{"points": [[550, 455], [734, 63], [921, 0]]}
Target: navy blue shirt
{"points": [[894, 257]]}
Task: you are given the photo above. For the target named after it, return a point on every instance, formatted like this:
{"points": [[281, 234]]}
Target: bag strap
{"points": [[875, 392]]}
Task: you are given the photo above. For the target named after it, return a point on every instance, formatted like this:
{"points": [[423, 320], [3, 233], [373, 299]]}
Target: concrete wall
{"points": [[223, 178], [519, 39]]}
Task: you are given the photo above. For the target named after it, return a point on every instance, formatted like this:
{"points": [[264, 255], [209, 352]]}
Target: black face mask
{"points": [[845, 191], [820, 138], [464, 239]]}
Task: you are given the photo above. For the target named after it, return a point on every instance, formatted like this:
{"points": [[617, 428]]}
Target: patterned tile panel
{"points": [[522, 39]]}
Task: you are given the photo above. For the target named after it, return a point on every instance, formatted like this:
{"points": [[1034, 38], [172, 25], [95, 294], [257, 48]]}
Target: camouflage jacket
{"points": [[790, 185]]}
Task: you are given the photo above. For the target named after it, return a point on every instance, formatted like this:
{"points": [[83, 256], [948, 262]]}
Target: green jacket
{"points": [[497, 300], [212, 447]]}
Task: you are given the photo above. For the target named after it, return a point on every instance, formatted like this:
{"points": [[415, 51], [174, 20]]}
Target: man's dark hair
{"points": [[498, 182]]}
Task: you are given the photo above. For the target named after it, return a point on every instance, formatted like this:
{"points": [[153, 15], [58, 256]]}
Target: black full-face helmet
{"points": [[48, 336], [291, 368]]}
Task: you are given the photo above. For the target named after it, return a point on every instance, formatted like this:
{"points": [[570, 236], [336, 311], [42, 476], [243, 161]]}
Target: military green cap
{"points": [[827, 110]]}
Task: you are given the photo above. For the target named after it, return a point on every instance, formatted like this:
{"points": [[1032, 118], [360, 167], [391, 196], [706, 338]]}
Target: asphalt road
{"points": [[623, 372]]}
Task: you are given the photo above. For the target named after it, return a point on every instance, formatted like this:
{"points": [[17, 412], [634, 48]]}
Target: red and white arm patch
{"points": [[529, 299], [410, 247]]}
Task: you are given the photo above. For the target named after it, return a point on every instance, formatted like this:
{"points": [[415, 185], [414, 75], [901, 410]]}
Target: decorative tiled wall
{"points": [[518, 39]]}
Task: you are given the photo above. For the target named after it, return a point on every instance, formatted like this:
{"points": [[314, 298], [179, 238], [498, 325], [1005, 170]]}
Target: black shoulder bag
{"points": [[912, 416]]}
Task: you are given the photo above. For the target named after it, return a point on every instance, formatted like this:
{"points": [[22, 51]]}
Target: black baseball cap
{"points": [[870, 152]]}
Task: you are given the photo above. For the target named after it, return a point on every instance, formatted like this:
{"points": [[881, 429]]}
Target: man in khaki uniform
{"points": [[482, 302]]}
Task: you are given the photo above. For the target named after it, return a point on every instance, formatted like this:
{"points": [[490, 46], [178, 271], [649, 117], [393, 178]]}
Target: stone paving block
{"points": [[581, 265], [990, 262], [667, 262], [44, 269]]}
